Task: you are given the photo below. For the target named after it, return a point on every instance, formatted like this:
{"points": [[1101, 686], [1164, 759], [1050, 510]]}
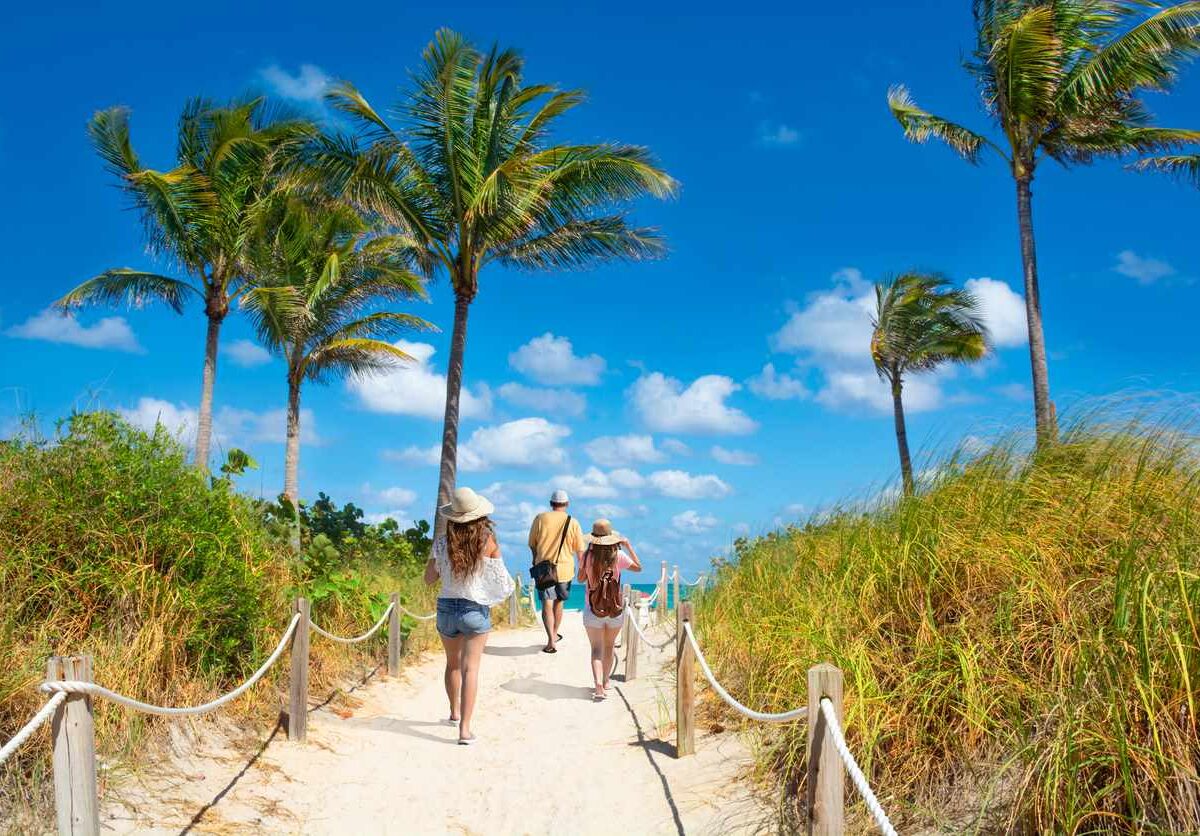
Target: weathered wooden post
{"points": [[298, 693], [631, 634], [675, 590], [685, 685], [394, 637], [826, 777], [514, 601], [75, 803], [533, 599], [661, 609]]}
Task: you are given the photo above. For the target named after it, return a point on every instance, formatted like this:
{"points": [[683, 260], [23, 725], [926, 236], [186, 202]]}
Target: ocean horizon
{"points": [[575, 601]]}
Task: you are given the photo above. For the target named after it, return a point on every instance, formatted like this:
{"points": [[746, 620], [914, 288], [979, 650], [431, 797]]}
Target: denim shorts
{"points": [[462, 617]]}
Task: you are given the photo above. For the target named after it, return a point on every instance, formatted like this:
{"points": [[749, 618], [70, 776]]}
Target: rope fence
{"points": [[71, 688]]}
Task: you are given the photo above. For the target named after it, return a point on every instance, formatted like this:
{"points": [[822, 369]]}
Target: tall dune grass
{"points": [[1020, 639], [110, 544]]}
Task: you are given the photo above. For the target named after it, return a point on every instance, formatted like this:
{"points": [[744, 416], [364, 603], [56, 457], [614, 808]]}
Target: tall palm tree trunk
{"points": [[204, 417], [1043, 409], [291, 457], [906, 473], [454, 375]]}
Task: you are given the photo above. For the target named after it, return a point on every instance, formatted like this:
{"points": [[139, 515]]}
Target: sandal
{"points": [[468, 741], [549, 650]]}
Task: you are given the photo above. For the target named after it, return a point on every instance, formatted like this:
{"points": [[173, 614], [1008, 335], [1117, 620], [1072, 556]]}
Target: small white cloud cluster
{"points": [[416, 389], [524, 443], [111, 332], [231, 426], [552, 361], [666, 405]]}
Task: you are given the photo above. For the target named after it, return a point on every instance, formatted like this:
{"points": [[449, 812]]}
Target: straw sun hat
{"points": [[603, 534], [466, 505]]}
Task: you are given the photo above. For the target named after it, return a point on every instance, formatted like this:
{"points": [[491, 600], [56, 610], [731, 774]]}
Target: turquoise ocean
{"points": [[575, 602]]}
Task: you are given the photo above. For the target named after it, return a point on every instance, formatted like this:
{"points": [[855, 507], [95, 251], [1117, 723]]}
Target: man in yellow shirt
{"points": [[556, 536]]}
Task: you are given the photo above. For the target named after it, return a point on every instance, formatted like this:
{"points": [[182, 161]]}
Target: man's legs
{"points": [[558, 617], [549, 621]]}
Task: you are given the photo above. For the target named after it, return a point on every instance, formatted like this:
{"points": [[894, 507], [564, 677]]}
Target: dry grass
{"points": [[1021, 634]]}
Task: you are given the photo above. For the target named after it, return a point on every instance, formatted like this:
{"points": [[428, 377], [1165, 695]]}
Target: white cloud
{"points": [[693, 522], [847, 390], [777, 386], [231, 426], [416, 389], [555, 401], [1015, 392], [675, 447], [1003, 311], [666, 406], [552, 360], [111, 332], [738, 457], [309, 85], [1145, 270], [778, 135], [612, 450], [681, 485], [835, 323], [395, 496], [524, 443], [247, 353]]}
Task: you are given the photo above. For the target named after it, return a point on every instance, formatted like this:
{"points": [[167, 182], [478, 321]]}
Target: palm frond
{"points": [[579, 244], [920, 126], [353, 356], [1184, 166], [135, 288]]}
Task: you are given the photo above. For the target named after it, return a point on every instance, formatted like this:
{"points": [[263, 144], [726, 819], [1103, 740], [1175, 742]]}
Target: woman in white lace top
{"points": [[463, 614]]}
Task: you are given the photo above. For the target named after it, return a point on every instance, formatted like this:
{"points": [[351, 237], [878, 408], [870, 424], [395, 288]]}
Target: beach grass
{"points": [[1020, 639]]}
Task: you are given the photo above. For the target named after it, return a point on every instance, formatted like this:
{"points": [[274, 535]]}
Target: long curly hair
{"points": [[465, 543], [602, 559]]}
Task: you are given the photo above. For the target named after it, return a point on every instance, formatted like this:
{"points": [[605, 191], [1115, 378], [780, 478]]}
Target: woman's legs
{"points": [[453, 676], [472, 653], [596, 639], [609, 639]]}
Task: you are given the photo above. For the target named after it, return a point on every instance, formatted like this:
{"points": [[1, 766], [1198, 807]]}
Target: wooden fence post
{"points": [[514, 601], [631, 634], [661, 609], [533, 598], [298, 694], [826, 778], [75, 802], [394, 637], [685, 685], [675, 590]]}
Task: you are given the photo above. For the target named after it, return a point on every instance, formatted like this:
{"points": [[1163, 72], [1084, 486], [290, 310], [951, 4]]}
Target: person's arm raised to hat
{"points": [[636, 566], [492, 549], [431, 570], [581, 575]]}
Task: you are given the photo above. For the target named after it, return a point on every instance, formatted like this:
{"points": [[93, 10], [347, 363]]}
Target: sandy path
{"points": [[549, 761]]}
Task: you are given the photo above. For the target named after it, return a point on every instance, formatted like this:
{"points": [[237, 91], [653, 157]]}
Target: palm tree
{"points": [[481, 183], [920, 323], [1061, 78], [321, 271], [201, 214]]}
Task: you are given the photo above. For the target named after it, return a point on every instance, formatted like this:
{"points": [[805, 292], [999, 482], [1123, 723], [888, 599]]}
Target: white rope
{"points": [[29, 728], [696, 582], [784, 717], [860, 781], [653, 597], [356, 639], [632, 616], [409, 612], [69, 686]]}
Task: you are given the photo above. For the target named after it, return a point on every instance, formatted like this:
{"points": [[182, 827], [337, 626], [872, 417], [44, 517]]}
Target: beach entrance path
{"points": [[549, 760]]}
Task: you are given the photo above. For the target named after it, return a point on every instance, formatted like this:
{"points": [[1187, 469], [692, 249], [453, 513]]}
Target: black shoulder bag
{"points": [[545, 572]]}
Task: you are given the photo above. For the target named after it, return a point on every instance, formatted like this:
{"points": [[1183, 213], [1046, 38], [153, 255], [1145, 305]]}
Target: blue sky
{"points": [[717, 392]]}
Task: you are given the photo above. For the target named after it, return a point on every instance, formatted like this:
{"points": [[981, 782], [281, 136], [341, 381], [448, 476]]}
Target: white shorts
{"points": [[592, 620]]}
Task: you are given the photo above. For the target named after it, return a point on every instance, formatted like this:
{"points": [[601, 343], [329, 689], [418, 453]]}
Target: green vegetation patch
{"points": [[1019, 639]]}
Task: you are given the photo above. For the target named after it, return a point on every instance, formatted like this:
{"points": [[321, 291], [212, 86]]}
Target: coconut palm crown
{"points": [[1061, 79], [473, 179], [200, 215], [322, 275], [920, 323]]}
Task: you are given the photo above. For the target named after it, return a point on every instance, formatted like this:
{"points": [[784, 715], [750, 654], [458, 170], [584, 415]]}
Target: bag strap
{"points": [[563, 539]]}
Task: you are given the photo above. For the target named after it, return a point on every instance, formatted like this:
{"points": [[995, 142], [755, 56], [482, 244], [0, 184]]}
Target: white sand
{"points": [[549, 760]]}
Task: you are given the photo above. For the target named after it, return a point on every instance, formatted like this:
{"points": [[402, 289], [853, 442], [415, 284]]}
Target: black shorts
{"points": [[558, 592]]}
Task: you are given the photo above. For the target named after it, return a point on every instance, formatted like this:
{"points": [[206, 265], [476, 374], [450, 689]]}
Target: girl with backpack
{"points": [[607, 555]]}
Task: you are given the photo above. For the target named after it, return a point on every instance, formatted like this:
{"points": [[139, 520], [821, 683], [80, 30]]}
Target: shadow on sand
{"points": [[531, 650], [534, 685]]}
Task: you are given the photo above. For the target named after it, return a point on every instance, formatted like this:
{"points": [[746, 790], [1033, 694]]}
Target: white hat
{"points": [[559, 497], [465, 506], [603, 534]]}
